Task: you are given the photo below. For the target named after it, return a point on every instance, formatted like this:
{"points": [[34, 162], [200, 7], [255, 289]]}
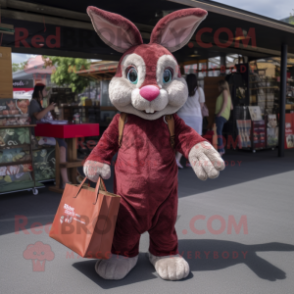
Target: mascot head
{"points": [[148, 82]]}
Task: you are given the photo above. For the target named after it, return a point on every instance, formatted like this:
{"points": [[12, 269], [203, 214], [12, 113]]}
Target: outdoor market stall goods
{"points": [[24, 162], [69, 132], [67, 31], [20, 158], [289, 131]]}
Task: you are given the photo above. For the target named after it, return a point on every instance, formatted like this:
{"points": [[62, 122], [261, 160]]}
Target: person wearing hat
{"points": [[37, 112]]}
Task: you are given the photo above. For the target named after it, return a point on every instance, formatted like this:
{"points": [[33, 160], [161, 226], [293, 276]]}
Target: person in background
{"points": [[37, 112], [223, 109], [191, 111]]}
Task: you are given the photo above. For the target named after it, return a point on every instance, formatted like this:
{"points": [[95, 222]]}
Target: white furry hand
{"points": [[206, 161], [94, 169]]}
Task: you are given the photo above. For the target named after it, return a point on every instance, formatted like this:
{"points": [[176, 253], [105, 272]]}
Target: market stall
{"points": [[257, 101], [103, 71], [66, 30], [70, 132], [25, 161]]}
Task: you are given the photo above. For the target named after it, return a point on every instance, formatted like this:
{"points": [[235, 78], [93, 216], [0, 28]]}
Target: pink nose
{"points": [[149, 92]]}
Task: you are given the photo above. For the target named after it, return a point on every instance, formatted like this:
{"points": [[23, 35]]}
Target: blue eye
{"points": [[132, 75], [167, 76]]}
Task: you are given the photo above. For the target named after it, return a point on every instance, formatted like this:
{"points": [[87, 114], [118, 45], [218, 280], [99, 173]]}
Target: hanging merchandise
{"points": [[272, 130]]}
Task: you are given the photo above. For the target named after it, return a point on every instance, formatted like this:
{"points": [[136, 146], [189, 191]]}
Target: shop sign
{"points": [[37, 35], [237, 37], [23, 84]]}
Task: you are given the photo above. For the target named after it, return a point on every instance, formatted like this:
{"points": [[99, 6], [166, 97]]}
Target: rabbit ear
{"points": [[116, 31], [176, 29]]}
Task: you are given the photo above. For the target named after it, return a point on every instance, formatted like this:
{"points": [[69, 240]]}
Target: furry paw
{"points": [[94, 169], [206, 161], [170, 267], [116, 267]]}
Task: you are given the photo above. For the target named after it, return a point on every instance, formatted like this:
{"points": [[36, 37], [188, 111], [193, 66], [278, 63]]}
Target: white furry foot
{"points": [[116, 267], [172, 268]]}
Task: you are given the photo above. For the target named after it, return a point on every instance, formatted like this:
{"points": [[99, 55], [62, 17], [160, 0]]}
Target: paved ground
{"points": [[255, 188]]}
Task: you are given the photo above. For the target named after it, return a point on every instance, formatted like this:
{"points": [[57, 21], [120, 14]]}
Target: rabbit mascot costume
{"points": [[148, 90]]}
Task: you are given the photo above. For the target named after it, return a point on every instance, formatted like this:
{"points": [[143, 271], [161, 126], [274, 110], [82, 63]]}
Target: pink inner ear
{"points": [[114, 35], [178, 31], [175, 29], [115, 30]]}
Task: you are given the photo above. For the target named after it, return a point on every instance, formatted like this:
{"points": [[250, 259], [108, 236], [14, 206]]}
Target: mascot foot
{"points": [[116, 267], [171, 268]]}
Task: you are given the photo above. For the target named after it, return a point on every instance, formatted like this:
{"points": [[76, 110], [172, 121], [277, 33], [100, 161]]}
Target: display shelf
{"points": [[16, 126], [254, 135], [16, 162], [258, 134], [108, 108], [273, 87], [19, 185], [289, 106], [14, 115], [26, 147], [23, 146], [74, 163], [23, 186], [264, 93], [43, 147], [80, 106], [69, 132]]}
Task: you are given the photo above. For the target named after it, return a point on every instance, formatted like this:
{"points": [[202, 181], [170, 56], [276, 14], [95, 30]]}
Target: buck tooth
{"points": [[151, 110]]}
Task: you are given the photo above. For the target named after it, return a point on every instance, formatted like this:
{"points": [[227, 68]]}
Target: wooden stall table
{"points": [[70, 133]]}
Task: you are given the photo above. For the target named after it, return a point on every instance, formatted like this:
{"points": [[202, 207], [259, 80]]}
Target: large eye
{"points": [[132, 75], [167, 76]]}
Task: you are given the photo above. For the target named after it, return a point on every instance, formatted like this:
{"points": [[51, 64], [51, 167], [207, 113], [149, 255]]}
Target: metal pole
{"points": [[283, 84], [223, 64]]}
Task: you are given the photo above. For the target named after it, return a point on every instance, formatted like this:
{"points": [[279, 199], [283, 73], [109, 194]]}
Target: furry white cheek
{"points": [[137, 101], [120, 92], [161, 101], [177, 93]]}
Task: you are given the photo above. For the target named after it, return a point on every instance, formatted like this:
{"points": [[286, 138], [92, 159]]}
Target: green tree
{"points": [[291, 19], [65, 72], [19, 66], [15, 67]]}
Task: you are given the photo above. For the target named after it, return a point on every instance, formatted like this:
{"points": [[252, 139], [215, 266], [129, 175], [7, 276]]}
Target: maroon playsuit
{"points": [[146, 177]]}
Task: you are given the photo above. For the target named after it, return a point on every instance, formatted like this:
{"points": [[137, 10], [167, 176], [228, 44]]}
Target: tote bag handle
{"points": [[99, 185]]}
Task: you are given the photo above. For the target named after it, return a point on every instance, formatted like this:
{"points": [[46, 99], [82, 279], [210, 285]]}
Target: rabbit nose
{"points": [[149, 92]]}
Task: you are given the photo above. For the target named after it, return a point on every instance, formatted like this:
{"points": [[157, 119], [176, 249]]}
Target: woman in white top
{"points": [[191, 111]]}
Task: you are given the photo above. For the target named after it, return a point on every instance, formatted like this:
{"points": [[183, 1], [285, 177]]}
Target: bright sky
{"points": [[18, 58], [271, 8]]}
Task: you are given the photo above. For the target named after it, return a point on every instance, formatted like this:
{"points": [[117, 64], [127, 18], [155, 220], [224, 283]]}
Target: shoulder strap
{"points": [[121, 123], [171, 127]]}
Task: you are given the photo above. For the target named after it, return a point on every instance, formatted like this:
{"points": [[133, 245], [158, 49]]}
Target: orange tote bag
{"points": [[85, 220]]}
